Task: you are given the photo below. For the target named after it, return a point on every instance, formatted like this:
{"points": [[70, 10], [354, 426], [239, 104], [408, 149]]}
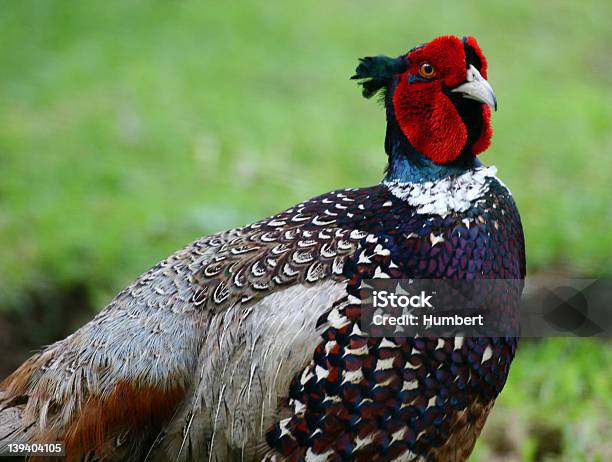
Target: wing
{"points": [[113, 385]]}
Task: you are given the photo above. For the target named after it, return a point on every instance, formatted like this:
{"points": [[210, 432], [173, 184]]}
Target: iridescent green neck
{"points": [[412, 169]]}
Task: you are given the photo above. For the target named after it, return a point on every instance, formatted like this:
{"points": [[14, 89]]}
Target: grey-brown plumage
{"points": [[216, 330]]}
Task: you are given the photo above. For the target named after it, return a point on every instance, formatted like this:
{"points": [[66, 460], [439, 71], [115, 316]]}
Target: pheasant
{"points": [[248, 344]]}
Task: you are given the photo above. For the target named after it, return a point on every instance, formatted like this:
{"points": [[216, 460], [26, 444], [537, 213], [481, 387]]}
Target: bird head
{"points": [[437, 95]]}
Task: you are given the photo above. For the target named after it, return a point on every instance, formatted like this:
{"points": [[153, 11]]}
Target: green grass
{"points": [[128, 129]]}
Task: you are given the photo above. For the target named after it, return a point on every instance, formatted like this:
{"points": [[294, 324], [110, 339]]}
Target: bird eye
{"points": [[427, 70]]}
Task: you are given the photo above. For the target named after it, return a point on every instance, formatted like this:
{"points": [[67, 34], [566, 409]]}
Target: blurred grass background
{"points": [[128, 129]]}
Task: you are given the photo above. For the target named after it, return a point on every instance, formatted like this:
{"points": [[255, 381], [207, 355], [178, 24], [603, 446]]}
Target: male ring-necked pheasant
{"points": [[247, 344]]}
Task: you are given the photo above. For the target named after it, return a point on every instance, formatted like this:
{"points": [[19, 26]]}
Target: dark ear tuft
{"points": [[376, 72]]}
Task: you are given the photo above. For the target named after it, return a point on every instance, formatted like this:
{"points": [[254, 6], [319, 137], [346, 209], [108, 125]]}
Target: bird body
{"points": [[247, 345]]}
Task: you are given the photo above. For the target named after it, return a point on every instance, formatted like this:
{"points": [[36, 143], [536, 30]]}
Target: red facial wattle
{"points": [[423, 108], [429, 121], [484, 140]]}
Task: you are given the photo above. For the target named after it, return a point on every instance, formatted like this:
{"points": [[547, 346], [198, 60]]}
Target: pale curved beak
{"points": [[477, 88]]}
